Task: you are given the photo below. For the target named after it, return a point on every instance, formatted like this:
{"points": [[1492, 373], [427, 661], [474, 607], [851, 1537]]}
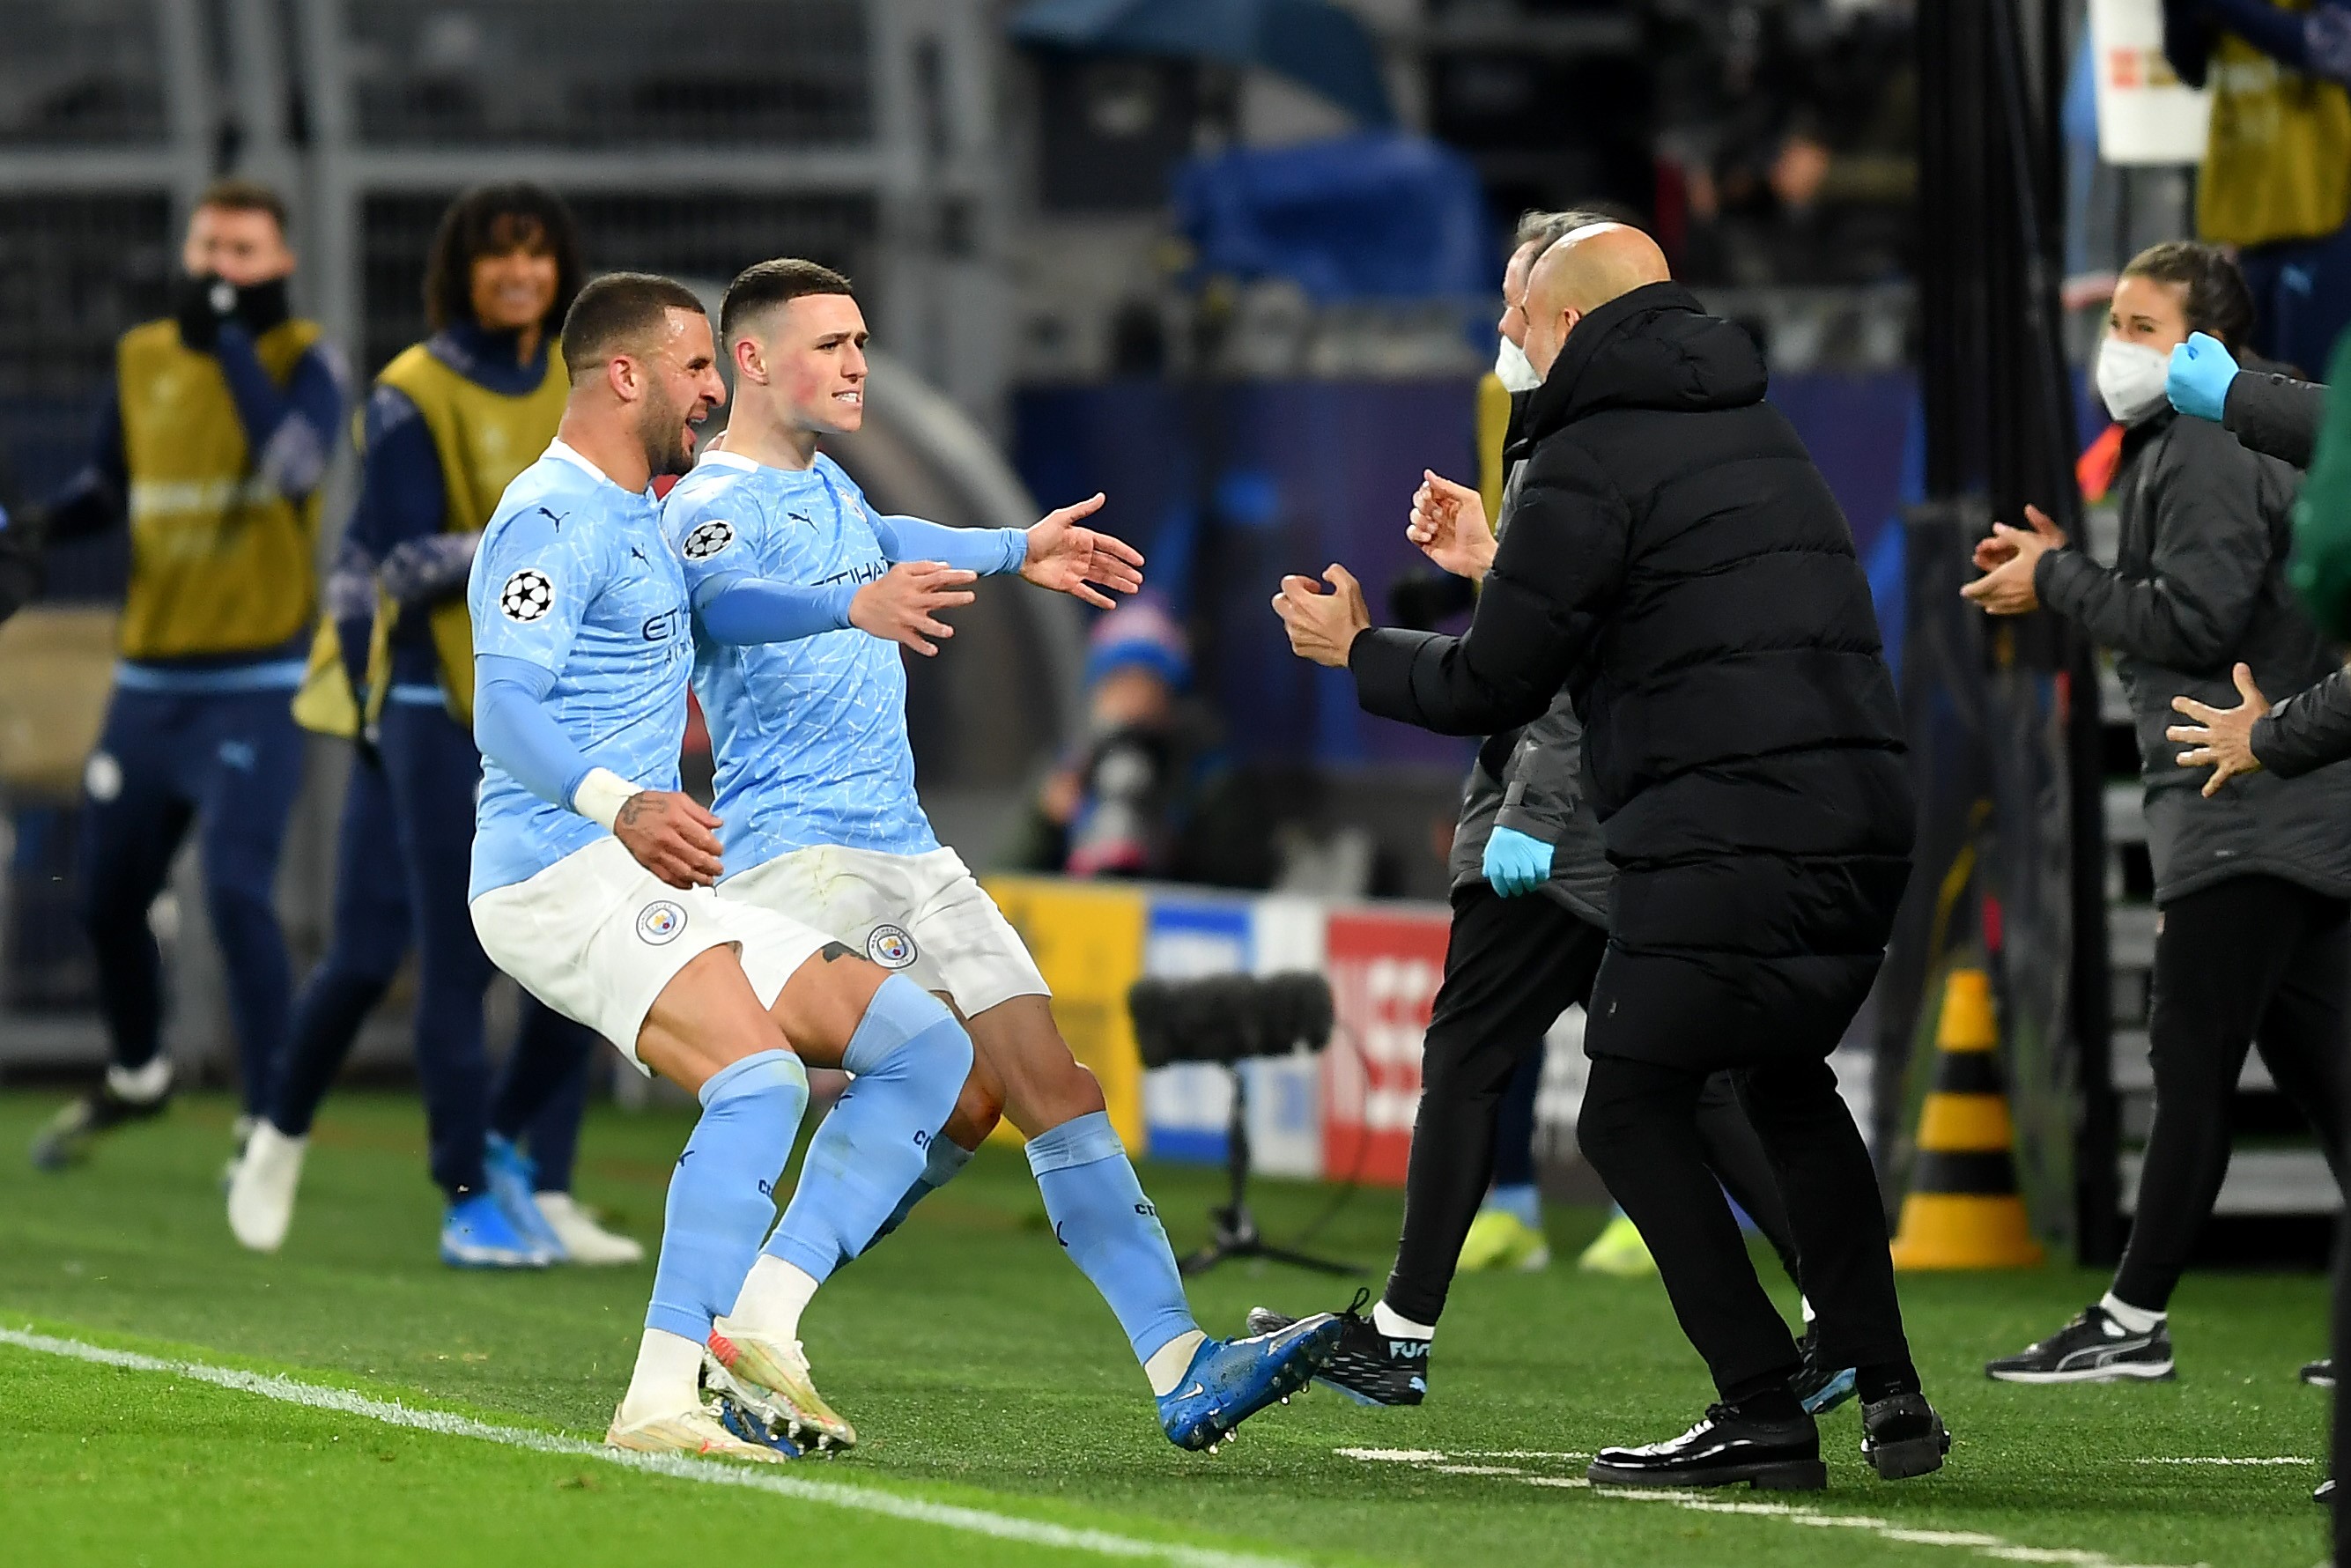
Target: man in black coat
{"points": [[1675, 562]]}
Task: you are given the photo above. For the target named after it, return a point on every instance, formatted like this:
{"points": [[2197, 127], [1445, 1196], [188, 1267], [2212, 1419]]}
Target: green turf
{"points": [[981, 1369]]}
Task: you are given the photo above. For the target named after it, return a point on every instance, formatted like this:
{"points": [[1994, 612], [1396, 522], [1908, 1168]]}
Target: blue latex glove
{"points": [[1516, 863], [2201, 370]]}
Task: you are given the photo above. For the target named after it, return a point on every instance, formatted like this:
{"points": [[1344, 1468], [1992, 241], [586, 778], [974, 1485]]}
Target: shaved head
{"points": [[1582, 271]]}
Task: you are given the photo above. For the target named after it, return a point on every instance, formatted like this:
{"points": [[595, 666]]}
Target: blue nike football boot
{"points": [[1231, 1380], [514, 1182], [477, 1234]]}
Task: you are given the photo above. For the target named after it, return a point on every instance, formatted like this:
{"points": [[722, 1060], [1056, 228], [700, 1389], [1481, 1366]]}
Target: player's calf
{"points": [[721, 1198], [910, 1058]]}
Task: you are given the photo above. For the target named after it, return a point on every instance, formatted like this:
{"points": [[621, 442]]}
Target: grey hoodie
{"points": [[1530, 780]]}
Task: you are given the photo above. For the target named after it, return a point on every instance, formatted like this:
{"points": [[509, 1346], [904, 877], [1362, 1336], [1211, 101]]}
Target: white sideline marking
{"points": [[715, 1472], [1438, 1462], [2288, 1459]]}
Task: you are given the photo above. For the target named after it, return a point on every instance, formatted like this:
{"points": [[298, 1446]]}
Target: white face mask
{"points": [[2130, 379], [1514, 369]]}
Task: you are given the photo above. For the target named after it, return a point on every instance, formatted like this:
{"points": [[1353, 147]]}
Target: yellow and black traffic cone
{"points": [[1963, 1210]]}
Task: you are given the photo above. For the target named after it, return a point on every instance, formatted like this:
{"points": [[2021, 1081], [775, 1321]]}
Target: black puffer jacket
{"points": [[1678, 565], [2274, 415]]}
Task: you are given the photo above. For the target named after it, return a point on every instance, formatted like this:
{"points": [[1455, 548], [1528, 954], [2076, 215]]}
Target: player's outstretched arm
{"points": [[1055, 553], [1071, 560], [669, 833], [900, 606]]}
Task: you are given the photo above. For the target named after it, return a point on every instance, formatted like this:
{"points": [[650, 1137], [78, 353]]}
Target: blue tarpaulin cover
{"points": [[1381, 215]]}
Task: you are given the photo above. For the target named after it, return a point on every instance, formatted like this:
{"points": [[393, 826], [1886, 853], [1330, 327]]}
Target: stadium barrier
{"points": [[1343, 1116], [1346, 1113]]}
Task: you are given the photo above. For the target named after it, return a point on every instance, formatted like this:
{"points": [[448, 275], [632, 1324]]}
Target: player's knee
{"points": [[823, 1000], [978, 1110], [910, 1032], [1078, 1089], [764, 1081]]}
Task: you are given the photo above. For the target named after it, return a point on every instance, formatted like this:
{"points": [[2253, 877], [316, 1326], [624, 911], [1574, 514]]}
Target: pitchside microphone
{"points": [[1226, 1019]]}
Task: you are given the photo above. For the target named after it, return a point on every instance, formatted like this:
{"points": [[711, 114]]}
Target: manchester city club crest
{"points": [[659, 923], [707, 539], [527, 596], [890, 947]]}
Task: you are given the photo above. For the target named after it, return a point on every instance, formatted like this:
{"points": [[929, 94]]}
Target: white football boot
{"points": [[584, 1240], [261, 1192], [696, 1432], [769, 1377]]}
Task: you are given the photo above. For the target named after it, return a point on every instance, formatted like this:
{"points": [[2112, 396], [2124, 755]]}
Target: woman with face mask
{"points": [[2252, 882]]}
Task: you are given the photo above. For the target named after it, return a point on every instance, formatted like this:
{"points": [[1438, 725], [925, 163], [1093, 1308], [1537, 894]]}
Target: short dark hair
{"points": [[614, 314], [764, 285], [490, 220], [2218, 301], [1535, 223], [245, 196]]}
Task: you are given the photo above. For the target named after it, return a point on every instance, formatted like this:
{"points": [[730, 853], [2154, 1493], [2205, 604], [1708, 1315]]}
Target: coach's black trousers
{"points": [[2254, 961], [1511, 967], [1656, 1020]]}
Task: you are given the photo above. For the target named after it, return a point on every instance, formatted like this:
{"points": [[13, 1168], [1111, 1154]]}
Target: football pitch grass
{"points": [[351, 1401]]}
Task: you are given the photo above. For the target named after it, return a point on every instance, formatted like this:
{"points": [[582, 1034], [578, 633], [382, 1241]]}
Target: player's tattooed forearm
{"points": [[632, 809], [833, 952]]}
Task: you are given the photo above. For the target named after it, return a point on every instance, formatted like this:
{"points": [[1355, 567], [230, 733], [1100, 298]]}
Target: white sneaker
{"points": [[261, 1192], [584, 1240]]}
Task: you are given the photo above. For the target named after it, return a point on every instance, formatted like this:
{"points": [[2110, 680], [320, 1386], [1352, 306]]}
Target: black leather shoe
{"points": [[1723, 1449], [1902, 1437]]}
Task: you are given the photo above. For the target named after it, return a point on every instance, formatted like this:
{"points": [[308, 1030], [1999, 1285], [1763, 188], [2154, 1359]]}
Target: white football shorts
{"points": [[596, 936], [923, 917]]}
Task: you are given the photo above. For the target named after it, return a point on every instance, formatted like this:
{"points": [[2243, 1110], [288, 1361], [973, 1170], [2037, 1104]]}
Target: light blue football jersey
{"points": [[574, 576], [808, 736]]}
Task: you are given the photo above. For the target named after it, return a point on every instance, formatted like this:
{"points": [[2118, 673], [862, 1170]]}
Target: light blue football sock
{"points": [[722, 1195], [1110, 1229], [943, 1164], [910, 1058], [1520, 1201]]}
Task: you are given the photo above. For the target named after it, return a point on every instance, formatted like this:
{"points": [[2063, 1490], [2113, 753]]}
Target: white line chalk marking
{"points": [[713, 1472], [1440, 1462], [2288, 1459]]}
